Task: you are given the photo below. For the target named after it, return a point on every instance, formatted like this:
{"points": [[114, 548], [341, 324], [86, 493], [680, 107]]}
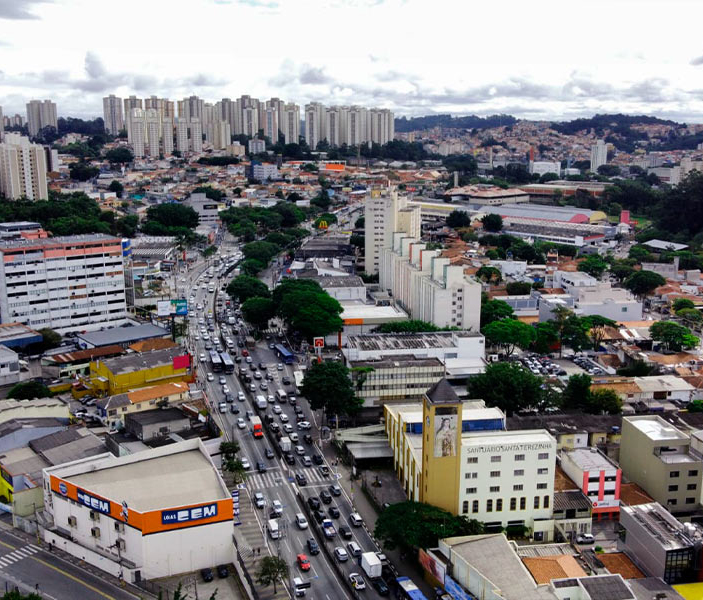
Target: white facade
{"points": [[196, 135], [152, 122], [112, 114], [63, 283], [41, 114], [543, 167], [220, 134], [612, 303], [137, 132], [290, 124], [181, 135], [22, 169], [380, 125], [167, 135], [314, 124], [191, 108], [265, 171], [271, 124], [250, 121], [336, 125], [356, 126], [599, 155], [257, 146]]}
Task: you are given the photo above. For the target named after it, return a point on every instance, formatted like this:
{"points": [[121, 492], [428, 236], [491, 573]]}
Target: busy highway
{"points": [[296, 493]]}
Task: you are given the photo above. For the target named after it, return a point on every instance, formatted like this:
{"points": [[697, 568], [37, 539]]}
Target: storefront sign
{"points": [[185, 515]]}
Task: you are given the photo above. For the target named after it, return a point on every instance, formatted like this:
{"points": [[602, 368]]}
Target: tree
{"points": [[258, 311], [117, 187], [575, 333], [28, 390], [494, 310], [261, 251], [359, 223], [271, 570], [327, 386], [492, 222], [577, 391], [457, 219], [210, 192], [518, 288], [604, 401], [598, 325], [16, 595], [82, 171], [509, 334], [643, 283], [489, 274], [640, 254], [594, 265], [507, 386], [244, 287], [50, 338], [672, 335], [682, 303], [173, 215], [119, 155], [312, 313], [546, 338], [695, 406], [690, 315], [621, 270], [417, 525]]}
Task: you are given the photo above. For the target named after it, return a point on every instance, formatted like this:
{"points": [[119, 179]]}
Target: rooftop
{"points": [[409, 341], [656, 428], [122, 335], [344, 281], [619, 562], [488, 438], [161, 415], [137, 362], [83, 355], [10, 332], [400, 360], [57, 242], [662, 527], [606, 587], [442, 393], [545, 568], [588, 459]]}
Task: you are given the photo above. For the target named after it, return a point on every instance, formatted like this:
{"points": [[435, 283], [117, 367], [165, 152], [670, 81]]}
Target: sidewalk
{"points": [[368, 513]]}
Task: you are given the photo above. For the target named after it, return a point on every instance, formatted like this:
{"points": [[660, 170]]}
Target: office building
{"points": [[314, 124], [599, 155], [22, 168], [155, 513], [597, 477], [65, 283], [41, 114], [112, 114], [659, 458], [271, 124], [386, 212], [470, 465], [290, 123]]}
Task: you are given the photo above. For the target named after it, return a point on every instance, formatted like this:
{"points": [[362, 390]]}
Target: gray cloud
{"points": [[19, 9], [697, 61], [313, 76]]}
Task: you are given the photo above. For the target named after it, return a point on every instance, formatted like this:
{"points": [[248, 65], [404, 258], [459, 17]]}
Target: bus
{"points": [[227, 362], [407, 590], [215, 362], [284, 354]]}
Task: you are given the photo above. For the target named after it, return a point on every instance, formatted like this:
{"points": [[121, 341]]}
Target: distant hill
{"points": [[617, 123], [403, 124]]}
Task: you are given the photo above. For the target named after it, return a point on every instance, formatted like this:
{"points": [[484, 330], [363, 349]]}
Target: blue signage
{"points": [[455, 590], [184, 515], [99, 504]]}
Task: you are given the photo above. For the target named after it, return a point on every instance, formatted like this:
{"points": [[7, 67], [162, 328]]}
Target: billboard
{"points": [[432, 566], [167, 308], [445, 430]]}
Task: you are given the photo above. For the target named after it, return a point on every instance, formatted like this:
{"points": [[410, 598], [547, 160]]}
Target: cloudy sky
{"points": [[540, 59]]}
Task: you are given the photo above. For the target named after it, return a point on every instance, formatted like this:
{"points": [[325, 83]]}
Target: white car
{"points": [[210, 377], [245, 462], [202, 357], [240, 422], [585, 538], [196, 337], [284, 418], [277, 507], [277, 410], [225, 389], [304, 425], [279, 366], [241, 397], [288, 428], [357, 581], [249, 360], [222, 407], [223, 380]]}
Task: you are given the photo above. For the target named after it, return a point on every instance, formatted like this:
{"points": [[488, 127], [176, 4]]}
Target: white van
{"points": [[261, 403], [281, 395], [272, 528]]}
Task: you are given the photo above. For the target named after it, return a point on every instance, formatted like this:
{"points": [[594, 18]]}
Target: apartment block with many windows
{"points": [[63, 283]]}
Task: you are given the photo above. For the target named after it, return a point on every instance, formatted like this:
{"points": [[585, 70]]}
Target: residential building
{"points": [[380, 126], [112, 410], [271, 124], [263, 171], [132, 516], [385, 214], [196, 135], [356, 133], [41, 114], [137, 132], [336, 125], [163, 106], [63, 283], [220, 135], [470, 465], [290, 123], [314, 124], [167, 135], [572, 514], [131, 103], [2, 124], [182, 135], [22, 169], [112, 114], [250, 121], [603, 299], [156, 424], [256, 146], [658, 457], [597, 477], [191, 108], [599, 155], [152, 125], [659, 544]]}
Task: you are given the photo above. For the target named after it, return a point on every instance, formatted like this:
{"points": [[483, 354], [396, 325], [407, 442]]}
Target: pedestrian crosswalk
{"points": [[17, 555], [257, 481]]}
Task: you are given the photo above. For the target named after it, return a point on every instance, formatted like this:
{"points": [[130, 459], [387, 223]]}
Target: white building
{"points": [[314, 124], [250, 121], [264, 171], [22, 169], [599, 155], [336, 125], [152, 126], [219, 134], [196, 135], [137, 132], [181, 135], [386, 213], [380, 126], [542, 167], [156, 513], [208, 210], [257, 146], [63, 283], [191, 108], [41, 114], [167, 135], [357, 119], [112, 114], [271, 124], [290, 123]]}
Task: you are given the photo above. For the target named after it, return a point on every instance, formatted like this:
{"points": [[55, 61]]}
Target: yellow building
{"points": [[123, 373]]}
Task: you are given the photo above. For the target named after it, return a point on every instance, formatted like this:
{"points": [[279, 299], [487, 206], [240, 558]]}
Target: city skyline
{"points": [[397, 55]]}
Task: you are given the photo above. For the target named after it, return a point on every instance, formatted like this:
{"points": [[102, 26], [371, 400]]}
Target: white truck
{"points": [[371, 565], [285, 444], [274, 531]]}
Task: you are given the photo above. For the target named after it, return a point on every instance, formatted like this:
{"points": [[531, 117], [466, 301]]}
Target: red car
{"points": [[303, 562]]}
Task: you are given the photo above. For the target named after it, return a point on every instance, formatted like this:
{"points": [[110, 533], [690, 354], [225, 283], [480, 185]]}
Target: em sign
{"points": [[93, 502], [184, 515]]}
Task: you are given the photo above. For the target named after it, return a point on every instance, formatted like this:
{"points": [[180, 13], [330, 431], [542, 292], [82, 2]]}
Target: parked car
{"points": [[207, 574], [585, 538], [222, 571]]}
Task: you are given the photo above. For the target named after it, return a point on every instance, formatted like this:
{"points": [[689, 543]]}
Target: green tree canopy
{"points": [[27, 390], [210, 192], [119, 155], [577, 391], [258, 311], [508, 386], [597, 329], [492, 222], [604, 401], [261, 251], [82, 171], [327, 386], [594, 265], [546, 338], [690, 315], [682, 303], [172, 215], [509, 334], [673, 336], [117, 187], [458, 218], [643, 283], [312, 314], [621, 270], [272, 570], [518, 288], [494, 310], [416, 525], [243, 287], [489, 274]]}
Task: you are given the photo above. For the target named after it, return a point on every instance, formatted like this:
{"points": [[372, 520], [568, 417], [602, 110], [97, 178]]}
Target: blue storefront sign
{"points": [[184, 515]]}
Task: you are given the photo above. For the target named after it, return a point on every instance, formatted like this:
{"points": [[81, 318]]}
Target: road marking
{"points": [[73, 578]]}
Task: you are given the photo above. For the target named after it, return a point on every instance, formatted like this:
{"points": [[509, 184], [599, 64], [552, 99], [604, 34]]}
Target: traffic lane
{"points": [[56, 578]]}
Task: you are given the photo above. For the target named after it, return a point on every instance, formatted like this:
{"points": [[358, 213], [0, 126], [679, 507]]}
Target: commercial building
{"points": [[487, 195], [597, 477], [661, 545], [470, 465], [21, 229], [63, 283], [152, 514], [156, 424], [41, 114], [22, 169], [208, 210], [112, 114], [122, 336], [9, 366], [599, 155], [70, 364], [659, 458], [386, 212], [113, 410]]}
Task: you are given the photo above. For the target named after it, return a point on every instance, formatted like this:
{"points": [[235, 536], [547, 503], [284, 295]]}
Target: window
{"points": [[673, 488], [543, 456], [519, 457], [693, 473], [523, 503], [513, 503], [495, 459], [472, 460], [542, 471], [465, 507], [691, 486], [690, 500], [471, 476], [671, 502], [495, 473], [541, 486], [494, 489], [518, 472], [470, 490], [674, 474], [545, 504], [535, 504], [489, 505], [517, 487], [474, 506], [499, 504]]}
